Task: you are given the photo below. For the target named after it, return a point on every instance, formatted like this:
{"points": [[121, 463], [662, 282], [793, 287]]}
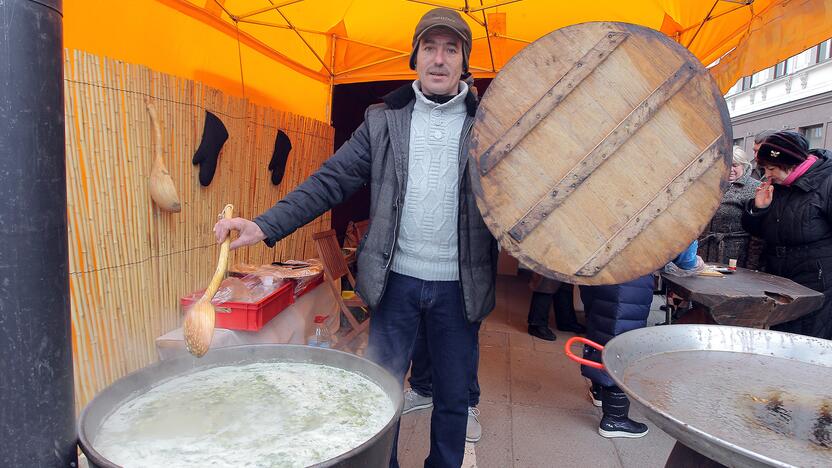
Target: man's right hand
{"points": [[250, 232]]}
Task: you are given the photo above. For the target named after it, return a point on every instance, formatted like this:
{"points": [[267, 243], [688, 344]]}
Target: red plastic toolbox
{"points": [[250, 316]]}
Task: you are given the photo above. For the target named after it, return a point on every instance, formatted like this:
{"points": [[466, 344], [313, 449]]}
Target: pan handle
{"points": [[567, 348]]}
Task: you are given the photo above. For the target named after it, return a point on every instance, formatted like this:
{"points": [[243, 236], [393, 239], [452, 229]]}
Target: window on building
{"points": [[759, 78], [746, 83], [736, 88], [814, 134], [822, 51], [781, 69], [738, 142], [801, 60]]}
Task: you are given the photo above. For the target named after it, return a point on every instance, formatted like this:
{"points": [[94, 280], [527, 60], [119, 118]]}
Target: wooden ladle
{"points": [[199, 319], [159, 184]]}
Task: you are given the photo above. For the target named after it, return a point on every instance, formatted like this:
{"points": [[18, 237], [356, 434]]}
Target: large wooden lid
{"points": [[601, 150]]}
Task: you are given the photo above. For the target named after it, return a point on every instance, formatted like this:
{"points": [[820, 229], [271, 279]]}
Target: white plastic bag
{"points": [[250, 289], [672, 269]]}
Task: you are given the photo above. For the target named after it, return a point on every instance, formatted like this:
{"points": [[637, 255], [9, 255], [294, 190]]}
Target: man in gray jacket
{"points": [[427, 256]]}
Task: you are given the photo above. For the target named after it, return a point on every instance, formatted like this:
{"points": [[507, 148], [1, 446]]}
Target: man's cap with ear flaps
{"points": [[443, 18]]}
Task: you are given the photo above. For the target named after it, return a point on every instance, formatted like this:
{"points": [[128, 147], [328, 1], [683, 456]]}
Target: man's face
{"points": [[756, 148], [439, 62]]}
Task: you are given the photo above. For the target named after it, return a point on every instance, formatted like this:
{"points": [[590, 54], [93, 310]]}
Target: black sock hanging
{"points": [[214, 136], [282, 147]]}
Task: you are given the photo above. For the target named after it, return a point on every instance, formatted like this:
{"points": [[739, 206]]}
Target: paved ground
{"points": [[535, 408]]}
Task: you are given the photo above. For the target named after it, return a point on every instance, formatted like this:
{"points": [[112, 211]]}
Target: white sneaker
{"points": [[473, 432], [413, 401]]}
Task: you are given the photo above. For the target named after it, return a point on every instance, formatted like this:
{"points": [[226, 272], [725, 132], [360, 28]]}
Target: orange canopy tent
{"points": [[289, 53]]}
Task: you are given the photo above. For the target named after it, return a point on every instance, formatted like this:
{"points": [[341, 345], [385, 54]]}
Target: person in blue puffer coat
{"points": [[610, 311]]}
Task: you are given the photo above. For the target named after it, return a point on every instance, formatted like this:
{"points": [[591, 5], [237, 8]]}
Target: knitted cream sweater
{"points": [[427, 244]]}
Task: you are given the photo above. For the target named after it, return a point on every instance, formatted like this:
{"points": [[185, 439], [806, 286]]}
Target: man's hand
{"points": [[250, 232], [764, 195]]}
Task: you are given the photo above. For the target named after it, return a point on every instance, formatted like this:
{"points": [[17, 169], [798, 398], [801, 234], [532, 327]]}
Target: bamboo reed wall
{"points": [[129, 261]]}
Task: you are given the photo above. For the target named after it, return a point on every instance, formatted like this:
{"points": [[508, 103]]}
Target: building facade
{"points": [[795, 94]]}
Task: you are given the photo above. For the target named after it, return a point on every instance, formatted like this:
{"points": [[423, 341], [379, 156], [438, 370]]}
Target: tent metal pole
{"points": [[377, 62], [465, 8], [488, 38], [705, 20], [268, 8], [477, 20], [716, 16], [331, 78], [222, 6], [509, 2], [437, 5], [281, 26], [308, 46], [209, 19], [517, 39], [389, 49], [240, 57]]}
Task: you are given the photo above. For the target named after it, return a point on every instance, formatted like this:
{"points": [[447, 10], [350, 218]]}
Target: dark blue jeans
{"points": [[451, 344], [420, 379]]}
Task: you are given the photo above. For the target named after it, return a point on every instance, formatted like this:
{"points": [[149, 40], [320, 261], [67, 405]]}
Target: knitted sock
{"points": [[214, 136], [282, 147]]}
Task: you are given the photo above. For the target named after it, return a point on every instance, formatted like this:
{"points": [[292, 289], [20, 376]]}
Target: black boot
{"points": [[565, 311], [542, 331], [615, 423]]}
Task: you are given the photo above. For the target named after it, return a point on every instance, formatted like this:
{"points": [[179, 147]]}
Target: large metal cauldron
{"points": [[743, 397], [372, 453]]}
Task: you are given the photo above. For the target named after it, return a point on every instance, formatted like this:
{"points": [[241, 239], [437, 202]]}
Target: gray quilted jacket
{"points": [[377, 153]]}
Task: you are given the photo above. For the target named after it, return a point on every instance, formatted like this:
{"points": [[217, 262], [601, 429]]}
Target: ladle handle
{"points": [[567, 348], [157, 130], [222, 263]]}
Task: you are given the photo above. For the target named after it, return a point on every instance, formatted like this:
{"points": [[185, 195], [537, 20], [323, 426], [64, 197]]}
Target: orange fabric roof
{"points": [[289, 53]]}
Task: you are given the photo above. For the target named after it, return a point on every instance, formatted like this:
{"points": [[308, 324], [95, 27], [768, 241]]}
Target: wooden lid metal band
{"points": [[601, 152], [556, 94], [649, 212]]}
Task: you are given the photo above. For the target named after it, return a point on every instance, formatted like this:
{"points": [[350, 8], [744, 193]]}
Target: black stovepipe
{"points": [[37, 415]]}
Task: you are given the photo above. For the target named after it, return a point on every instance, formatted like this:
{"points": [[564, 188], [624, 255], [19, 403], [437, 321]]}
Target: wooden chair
{"points": [[335, 268], [355, 231], [361, 228]]}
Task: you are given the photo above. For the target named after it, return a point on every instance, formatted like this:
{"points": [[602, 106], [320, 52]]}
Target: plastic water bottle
{"points": [[321, 338]]}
